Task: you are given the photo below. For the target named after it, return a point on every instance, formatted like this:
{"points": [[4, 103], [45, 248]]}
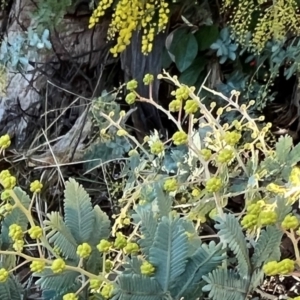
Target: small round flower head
{"points": [[3, 275], [147, 268], [15, 232], [9, 182], [18, 245], [70, 296], [104, 246], [130, 98], [5, 141], [95, 284], [157, 147], [120, 241], [232, 137], [35, 232], [58, 265], [84, 250], [171, 185], [175, 105], [180, 138], [132, 85], [121, 132], [108, 265], [37, 266], [206, 154], [5, 195], [148, 78], [132, 248], [191, 106], [290, 222], [36, 186], [225, 156], [4, 174], [107, 290], [213, 184], [267, 217]]}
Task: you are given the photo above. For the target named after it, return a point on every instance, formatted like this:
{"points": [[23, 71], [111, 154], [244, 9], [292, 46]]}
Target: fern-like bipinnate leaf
{"points": [[231, 234], [226, 284], [163, 200], [101, 228], [60, 235], [205, 259], [169, 251], [266, 247], [10, 290], [148, 228], [137, 287], [56, 282], [79, 214], [15, 217]]}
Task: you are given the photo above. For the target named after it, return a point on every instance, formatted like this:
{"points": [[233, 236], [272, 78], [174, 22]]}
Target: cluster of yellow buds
{"points": [[259, 214], [35, 232], [132, 15], [147, 268], [84, 250], [171, 185], [7, 180], [283, 267], [180, 138], [3, 275], [36, 186], [213, 185], [37, 266], [16, 233], [70, 296], [58, 265], [182, 94], [5, 141]]}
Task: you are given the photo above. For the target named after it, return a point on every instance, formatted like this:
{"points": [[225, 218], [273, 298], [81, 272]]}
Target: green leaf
{"points": [[50, 281], [101, 226], [163, 200], [60, 235], [148, 228], [79, 214], [10, 290], [230, 233], [137, 287], [184, 48], [206, 35], [169, 252], [206, 259], [226, 284], [269, 239], [191, 74], [283, 147], [294, 155]]}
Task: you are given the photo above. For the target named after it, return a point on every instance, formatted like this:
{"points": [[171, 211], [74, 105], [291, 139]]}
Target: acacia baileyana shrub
{"points": [[170, 188]]}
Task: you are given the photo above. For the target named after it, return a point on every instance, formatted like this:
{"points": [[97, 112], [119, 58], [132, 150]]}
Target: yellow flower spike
{"points": [[36, 186]]}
